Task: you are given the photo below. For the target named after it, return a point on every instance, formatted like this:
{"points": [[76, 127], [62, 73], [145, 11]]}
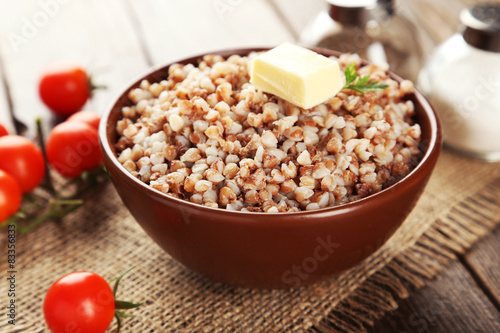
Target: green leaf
{"points": [[353, 87], [118, 321], [122, 314], [115, 287], [360, 84], [350, 73], [123, 305], [363, 80]]}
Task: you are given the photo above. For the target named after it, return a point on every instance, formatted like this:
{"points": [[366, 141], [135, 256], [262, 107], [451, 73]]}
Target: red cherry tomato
{"points": [[79, 302], [87, 117], [64, 88], [10, 195], [23, 160], [3, 131], [73, 147]]}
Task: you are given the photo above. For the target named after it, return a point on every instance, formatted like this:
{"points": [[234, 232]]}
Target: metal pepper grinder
{"points": [[373, 29], [462, 80]]}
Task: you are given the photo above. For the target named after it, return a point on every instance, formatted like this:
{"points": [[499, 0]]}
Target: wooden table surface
{"points": [[117, 40]]}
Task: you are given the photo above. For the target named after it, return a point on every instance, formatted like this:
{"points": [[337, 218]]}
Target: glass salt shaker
{"points": [[462, 81], [372, 29]]}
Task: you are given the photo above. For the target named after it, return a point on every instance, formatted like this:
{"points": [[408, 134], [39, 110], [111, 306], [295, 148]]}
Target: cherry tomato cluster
{"points": [[72, 147], [80, 301]]}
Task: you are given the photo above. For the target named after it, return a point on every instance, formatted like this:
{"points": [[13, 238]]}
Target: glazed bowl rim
{"points": [[433, 148]]}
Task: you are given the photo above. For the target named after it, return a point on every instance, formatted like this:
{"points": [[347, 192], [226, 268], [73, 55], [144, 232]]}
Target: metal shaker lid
{"points": [[482, 26], [359, 12]]}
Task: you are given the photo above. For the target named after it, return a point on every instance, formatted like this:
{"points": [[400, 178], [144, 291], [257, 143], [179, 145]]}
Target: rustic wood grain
{"points": [[451, 303], [296, 14], [484, 260], [96, 34], [175, 29], [5, 113]]}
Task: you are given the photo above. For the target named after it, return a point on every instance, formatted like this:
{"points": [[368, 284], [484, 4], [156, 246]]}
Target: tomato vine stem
{"points": [[55, 212], [48, 179]]}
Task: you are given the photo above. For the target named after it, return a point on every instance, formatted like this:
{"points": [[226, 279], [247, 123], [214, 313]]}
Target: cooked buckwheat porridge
{"points": [[208, 136]]}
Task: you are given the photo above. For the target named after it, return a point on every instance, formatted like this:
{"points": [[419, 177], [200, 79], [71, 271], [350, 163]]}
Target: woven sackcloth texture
{"points": [[460, 205]]}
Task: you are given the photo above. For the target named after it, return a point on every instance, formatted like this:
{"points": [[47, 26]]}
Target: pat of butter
{"points": [[298, 75]]}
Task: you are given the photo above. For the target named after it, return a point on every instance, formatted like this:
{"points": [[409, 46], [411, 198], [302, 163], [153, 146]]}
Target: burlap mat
{"points": [[461, 204]]}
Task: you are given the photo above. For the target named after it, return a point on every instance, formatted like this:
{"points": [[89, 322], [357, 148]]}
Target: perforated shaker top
{"points": [[482, 26]]}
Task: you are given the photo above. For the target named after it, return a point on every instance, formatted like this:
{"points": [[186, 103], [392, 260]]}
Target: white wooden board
{"points": [[174, 29], [299, 13], [96, 34], [5, 117]]}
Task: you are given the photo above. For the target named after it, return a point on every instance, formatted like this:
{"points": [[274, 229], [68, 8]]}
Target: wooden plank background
{"points": [[97, 34], [210, 25]]}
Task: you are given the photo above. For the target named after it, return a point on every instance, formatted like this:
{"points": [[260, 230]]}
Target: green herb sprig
{"points": [[360, 84]]}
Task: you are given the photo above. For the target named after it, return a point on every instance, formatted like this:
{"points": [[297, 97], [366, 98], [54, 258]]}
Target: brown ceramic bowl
{"points": [[263, 250]]}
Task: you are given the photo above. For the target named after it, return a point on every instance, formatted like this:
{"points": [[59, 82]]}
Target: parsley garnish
{"points": [[362, 84]]}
